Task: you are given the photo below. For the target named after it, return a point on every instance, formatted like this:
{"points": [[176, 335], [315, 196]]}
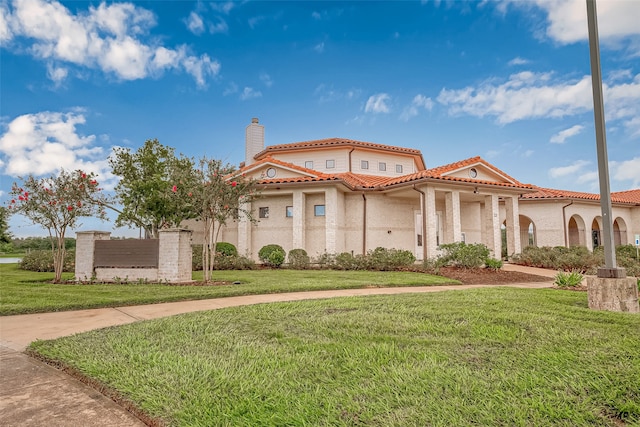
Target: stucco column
{"points": [[85, 247], [430, 239], [244, 232], [514, 246], [453, 229], [492, 235], [331, 219], [174, 257], [299, 199]]}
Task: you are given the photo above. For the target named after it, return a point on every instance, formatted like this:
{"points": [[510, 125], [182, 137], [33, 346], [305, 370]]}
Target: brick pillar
{"points": [[85, 247], [514, 246], [174, 258], [492, 234], [431, 240], [453, 229], [299, 202]]}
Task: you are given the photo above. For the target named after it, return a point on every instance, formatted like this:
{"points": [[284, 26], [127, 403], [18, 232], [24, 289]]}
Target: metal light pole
{"points": [[610, 270]]}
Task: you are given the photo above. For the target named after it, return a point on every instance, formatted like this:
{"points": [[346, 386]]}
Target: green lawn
{"points": [[28, 292], [486, 357]]}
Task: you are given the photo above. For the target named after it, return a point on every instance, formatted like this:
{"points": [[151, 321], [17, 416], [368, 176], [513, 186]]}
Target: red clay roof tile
{"points": [[630, 196]]}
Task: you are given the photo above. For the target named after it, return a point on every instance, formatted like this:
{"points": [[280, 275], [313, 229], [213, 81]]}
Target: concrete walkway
{"points": [[35, 394]]}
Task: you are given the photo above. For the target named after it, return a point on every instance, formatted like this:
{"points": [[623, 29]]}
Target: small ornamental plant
{"points": [[570, 279], [57, 203]]}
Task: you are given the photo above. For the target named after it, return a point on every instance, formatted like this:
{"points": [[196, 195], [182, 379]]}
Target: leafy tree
{"points": [[57, 203], [215, 193], [147, 177], [5, 235]]}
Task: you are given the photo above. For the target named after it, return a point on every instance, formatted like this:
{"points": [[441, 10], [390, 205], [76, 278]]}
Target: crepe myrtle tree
{"points": [[56, 203], [215, 193], [144, 190]]}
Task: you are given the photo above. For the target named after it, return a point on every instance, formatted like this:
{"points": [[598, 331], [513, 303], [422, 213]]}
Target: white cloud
{"points": [[571, 169], [327, 93], [224, 7], [561, 137], [43, 143], [316, 15], [218, 27], [249, 93], [195, 24], [518, 61], [412, 110], [231, 89], [377, 103], [319, 47], [110, 38], [266, 79], [56, 74], [628, 170], [528, 153], [566, 21], [529, 95]]}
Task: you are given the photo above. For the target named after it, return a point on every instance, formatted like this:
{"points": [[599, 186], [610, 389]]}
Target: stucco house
{"points": [[339, 195]]}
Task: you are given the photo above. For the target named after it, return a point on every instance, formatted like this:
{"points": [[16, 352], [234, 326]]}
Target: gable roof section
{"points": [[341, 143], [373, 182], [275, 162], [627, 197], [444, 173]]}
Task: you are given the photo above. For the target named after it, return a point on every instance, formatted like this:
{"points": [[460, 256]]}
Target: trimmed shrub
{"points": [[325, 260], [346, 261], [383, 259], [568, 279], [265, 255], [298, 259], [234, 263], [42, 261], [462, 255], [226, 249], [493, 264], [276, 258]]}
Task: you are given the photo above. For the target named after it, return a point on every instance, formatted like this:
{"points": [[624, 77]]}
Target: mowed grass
{"points": [[490, 357], [28, 292]]}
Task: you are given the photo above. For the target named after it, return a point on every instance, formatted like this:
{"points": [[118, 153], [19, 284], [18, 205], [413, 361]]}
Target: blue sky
{"points": [[507, 80]]}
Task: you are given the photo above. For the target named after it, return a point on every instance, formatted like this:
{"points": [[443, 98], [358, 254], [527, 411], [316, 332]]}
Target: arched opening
{"points": [[527, 232], [576, 230], [596, 234], [619, 232]]}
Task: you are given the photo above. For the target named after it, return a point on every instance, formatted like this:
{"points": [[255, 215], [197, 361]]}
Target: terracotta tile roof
{"points": [[451, 167], [274, 161], [630, 197], [340, 142], [441, 173], [363, 181]]}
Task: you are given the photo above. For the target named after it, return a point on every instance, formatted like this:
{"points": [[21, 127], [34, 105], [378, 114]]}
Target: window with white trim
{"points": [[382, 167], [364, 164], [308, 164], [263, 212], [398, 168], [318, 210], [331, 164]]}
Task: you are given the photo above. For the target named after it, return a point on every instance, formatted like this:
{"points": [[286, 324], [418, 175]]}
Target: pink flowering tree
{"points": [[56, 203], [215, 194]]}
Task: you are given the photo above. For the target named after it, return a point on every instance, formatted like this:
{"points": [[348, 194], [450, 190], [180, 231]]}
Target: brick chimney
{"points": [[254, 141]]}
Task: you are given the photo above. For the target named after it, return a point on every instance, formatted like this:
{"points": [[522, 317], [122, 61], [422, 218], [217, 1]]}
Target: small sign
{"points": [[637, 239]]}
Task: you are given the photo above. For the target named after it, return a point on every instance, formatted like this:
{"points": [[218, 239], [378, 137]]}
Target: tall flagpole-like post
{"points": [[601, 146], [610, 290]]}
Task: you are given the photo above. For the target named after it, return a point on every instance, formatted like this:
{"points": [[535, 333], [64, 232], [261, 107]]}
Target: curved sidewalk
{"points": [[35, 394]]}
